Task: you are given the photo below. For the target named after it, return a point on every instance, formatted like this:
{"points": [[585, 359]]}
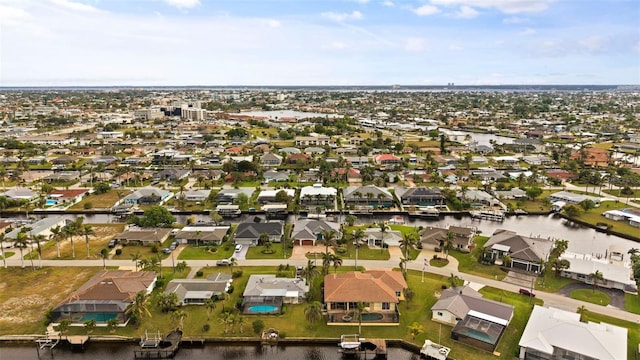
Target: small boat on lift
{"points": [[354, 347]]}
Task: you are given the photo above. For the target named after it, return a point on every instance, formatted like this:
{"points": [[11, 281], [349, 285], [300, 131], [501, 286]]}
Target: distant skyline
{"points": [[318, 42]]}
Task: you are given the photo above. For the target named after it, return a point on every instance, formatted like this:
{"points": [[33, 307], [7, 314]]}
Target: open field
{"points": [[104, 233], [100, 201]]}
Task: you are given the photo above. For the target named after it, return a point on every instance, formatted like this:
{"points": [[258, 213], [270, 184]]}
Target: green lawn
{"points": [[145, 251], [592, 296], [632, 303], [364, 253], [549, 282], [103, 234], [633, 329], [276, 252], [205, 252], [106, 200], [540, 204], [439, 262], [468, 263], [8, 254], [594, 216]]}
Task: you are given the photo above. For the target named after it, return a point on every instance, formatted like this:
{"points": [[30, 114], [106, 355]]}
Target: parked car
{"points": [[166, 251], [238, 248], [112, 243], [527, 292], [223, 262]]}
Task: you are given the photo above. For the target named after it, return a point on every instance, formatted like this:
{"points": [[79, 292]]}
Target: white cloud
{"points": [[75, 6], [454, 47], [515, 20], [336, 45], [505, 6], [388, 3], [592, 43], [273, 23], [527, 32], [426, 10], [355, 15], [466, 12], [415, 44], [183, 4]]}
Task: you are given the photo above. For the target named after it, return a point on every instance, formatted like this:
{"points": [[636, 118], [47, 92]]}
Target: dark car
{"points": [[112, 243], [527, 292]]}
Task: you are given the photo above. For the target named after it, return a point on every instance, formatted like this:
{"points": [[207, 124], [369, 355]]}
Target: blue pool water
{"points": [[262, 309], [99, 317], [50, 202]]}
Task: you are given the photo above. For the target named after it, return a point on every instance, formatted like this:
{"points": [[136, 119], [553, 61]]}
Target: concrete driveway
{"points": [[242, 254], [616, 296]]}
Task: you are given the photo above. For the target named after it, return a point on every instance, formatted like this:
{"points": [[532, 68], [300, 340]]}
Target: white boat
{"points": [[349, 343], [397, 220]]}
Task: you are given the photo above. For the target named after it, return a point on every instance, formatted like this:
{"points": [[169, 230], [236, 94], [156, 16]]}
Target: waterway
{"points": [[96, 351], [486, 139]]}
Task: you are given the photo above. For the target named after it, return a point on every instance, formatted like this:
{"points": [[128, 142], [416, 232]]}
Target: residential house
{"points": [[615, 274], [195, 195], [227, 196], [273, 175], [41, 227], [197, 291], [143, 236], [357, 161], [172, 175], [317, 140], [513, 193], [276, 289], [387, 160], [21, 194], [62, 176], [228, 210], [67, 197], [269, 196], [367, 196], [307, 232], [478, 322], [421, 196], [380, 290], [318, 195], [298, 159], [595, 157], [553, 334], [434, 237], [201, 235], [105, 296], [270, 160], [479, 198], [248, 232], [572, 198], [349, 174], [526, 253], [147, 195], [104, 160], [374, 236]]}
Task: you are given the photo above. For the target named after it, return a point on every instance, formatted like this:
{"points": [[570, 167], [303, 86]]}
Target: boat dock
{"points": [[77, 341], [493, 215], [355, 347], [158, 348], [381, 347]]}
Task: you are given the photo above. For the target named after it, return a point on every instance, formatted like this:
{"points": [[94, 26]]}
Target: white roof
{"points": [[501, 247], [483, 316], [317, 190], [586, 264], [550, 327], [272, 193]]}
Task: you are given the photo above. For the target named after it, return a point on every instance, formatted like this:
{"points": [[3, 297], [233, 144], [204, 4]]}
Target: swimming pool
{"points": [[263, 309], [50, 202], [98, 317], [367, 316]]}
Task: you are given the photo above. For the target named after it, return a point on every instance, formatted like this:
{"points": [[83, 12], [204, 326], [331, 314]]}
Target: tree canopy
{"points": [[156, 216]]}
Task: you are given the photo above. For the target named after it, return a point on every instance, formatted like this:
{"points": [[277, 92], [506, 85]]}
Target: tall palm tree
{"points": [[104, 254], [596, 277], [209, 305], [87, 231], [232, 262], [38, 239], [4, 259], [225, 319], [328, 239], [179, 316], [326, 262], [447, 243], [136, 257], [357, 237], [70, 230], [313, 312], [383, 230], [56, 234], [21, 242], [360, 310], [139, 307], [581, 310], [310, 272], [337, 262]]}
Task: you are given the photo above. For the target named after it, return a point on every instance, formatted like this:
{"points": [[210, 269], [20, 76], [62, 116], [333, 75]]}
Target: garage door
{"points": [[518, 265], [305, 242]]}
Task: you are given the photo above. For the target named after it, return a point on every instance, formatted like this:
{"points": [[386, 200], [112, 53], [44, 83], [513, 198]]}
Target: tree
{"points": [[38, 239], [179, 316], [359, 310], [533, 192], [4, 259], [63, 325], [596, 277], [263, 238], [56, 234], [241, 323], [454, 280], [216, 218], [167, 302], [328, 238], [447, 243], [572, 210], [415, 329], [326, 262], [225, 318], [587, 205], [70, 230], [138, 308], [581, 310], [337, 262], [313, 312], [89, 325], [258, 326], [21, 242], [310, 272], [181, 266], [86, 230], [104, 254], [209, 305], [560, 264], [136, 257], [232, 262], [383, 230], [112, 324], [156, 216], [350, 219]]}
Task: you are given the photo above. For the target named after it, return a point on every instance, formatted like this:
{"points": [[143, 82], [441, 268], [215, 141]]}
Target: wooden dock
{"points": [[381, 346]]}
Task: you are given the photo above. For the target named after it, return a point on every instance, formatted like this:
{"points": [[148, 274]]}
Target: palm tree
{"points": [[136, 258], [403, 265], [447, 243], [337, 262], [310, 272], [21, 242], [104, 254], [357, 237], [89, 325], [4, 259], [70, 230], [581, 310], [383, 230], [313, 312], [326, 262], [328, 239], [210, 305], [359, 311], [240, 319], [225, 317], [179, 316], [232, 262], [87, 231], [415, 329], [38, 239], [56, 234], [405, 243], [596, 277], [139, 307]]}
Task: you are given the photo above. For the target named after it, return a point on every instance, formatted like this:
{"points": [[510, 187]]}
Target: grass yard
{"points": [[364, 253], [594, 216], [203, 252], [618, 193], [100, 201], [549, 282], [468, 263], [256, 252], [633, 338], [27, 294], [145, 251], [439, 262], [104, 233], [632, 303], [592, 296]]}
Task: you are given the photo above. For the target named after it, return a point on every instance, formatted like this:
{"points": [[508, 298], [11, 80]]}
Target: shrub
{"points": [[230, 291], [282, 334], [199, 273], [205, 327], [155, 249], [341, 250], [258, 326], [88, 205], [236, 274], [282, 274], [444, 287], [118, 251], [226, 247], [160, 282]]}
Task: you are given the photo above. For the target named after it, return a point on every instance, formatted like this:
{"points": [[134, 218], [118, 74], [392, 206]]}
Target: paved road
{"points": [[550, 299]]}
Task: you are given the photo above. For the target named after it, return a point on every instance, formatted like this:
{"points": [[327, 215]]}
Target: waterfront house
{"points": [[195, 195], [616, 274], [67, 197], [227, 196], [379, 290], [367, 196], [21, 194], [197, 291], [105, 296], [143, 236], [552, 333], [526, 253], [147, 196], [421, 196], [268, 286], [434, 237], [41, 227], [269, 196], [318, 195]]}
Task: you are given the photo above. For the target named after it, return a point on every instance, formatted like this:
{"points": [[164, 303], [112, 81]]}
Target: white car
{"points": [[238, 248]]}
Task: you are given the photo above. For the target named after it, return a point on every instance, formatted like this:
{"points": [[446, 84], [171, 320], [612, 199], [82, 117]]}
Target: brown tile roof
{"points": [[370, 286], [113, 285]]}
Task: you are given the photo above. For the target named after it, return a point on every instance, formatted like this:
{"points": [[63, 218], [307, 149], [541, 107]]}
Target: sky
{"points": [[318, 42]]}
